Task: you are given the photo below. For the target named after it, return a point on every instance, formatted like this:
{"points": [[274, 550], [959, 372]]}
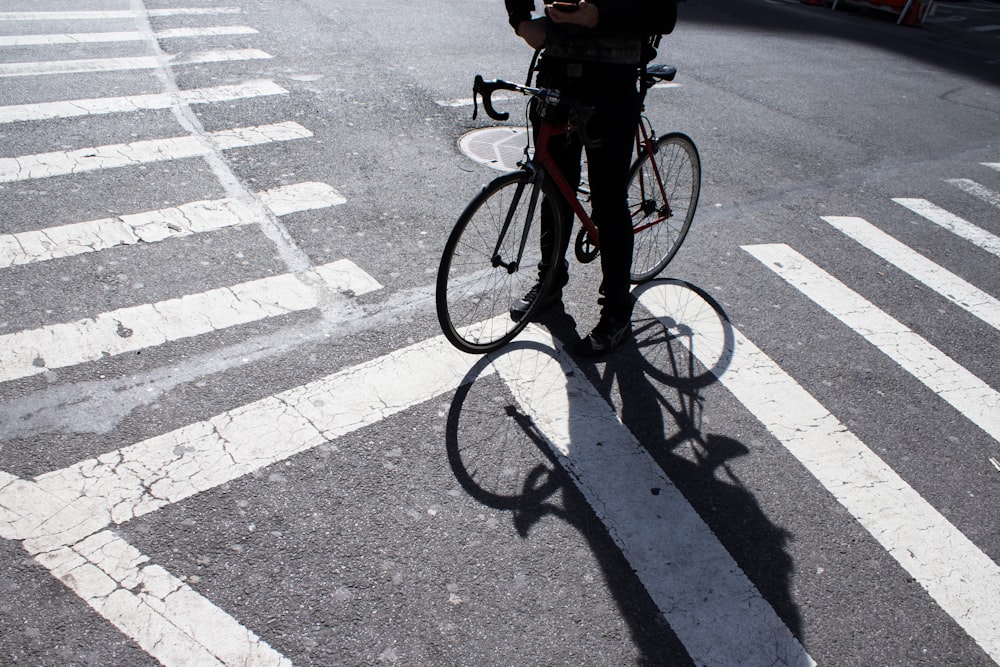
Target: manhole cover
{"points": [[498, 147]]}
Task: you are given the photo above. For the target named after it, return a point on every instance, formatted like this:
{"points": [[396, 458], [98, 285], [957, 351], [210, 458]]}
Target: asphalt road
{"points": [[230, 431]]}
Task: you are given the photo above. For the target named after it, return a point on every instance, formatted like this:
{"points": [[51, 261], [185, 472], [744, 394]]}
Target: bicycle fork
{"points": [[515, 264], [648, 206]]}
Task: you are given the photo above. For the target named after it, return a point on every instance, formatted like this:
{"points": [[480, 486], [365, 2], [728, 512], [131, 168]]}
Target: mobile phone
{"points": [[565, 6]]}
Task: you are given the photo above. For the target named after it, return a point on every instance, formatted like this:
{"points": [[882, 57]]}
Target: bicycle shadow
{"points": [[520, 429]]}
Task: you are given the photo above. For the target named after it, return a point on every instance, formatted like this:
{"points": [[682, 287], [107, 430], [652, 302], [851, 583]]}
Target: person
{"points": [[592, 53]]}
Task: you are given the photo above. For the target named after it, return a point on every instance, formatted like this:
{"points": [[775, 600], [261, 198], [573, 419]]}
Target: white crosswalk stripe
{"points": [[108, 105], [942, 281], [152, 226], [93, 15], [31, 352], [961, 389], [960, 577], [953, 223], [977, 190], [95, 158], [128, 63], [132, 36]]}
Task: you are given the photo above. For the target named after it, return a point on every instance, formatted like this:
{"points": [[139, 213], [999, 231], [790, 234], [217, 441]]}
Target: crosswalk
{"points": [[65, 518]]}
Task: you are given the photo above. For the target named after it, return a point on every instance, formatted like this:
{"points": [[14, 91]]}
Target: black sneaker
{"points": [[606, 336], [521, 306]]}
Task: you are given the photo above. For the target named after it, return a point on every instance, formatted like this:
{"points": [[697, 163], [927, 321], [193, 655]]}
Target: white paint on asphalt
{"points": [[963, 580], [127, 63], [977, 190], [161, 613], [972, 397], [31, 352], [709, 603], [61, 163], [98, 15], [65, 506], [152, 226], [108, 105], [953, 223], [122, 36], [61, 517], [944, 282]]}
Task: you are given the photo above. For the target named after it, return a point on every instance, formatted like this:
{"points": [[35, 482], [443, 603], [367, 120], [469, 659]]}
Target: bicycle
{"points": [[492, 254]]}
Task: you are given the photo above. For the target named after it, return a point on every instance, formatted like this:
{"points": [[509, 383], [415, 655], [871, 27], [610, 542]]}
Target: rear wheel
{"points": [[490, 260], [662, 197]]}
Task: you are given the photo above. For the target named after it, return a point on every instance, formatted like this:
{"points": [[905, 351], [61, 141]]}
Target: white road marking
{"points": [[97, 15], [976, 190], [61, 517], [709, 603], [944, 282], [164, 616], [65, 506], [108, 105], [963, 580], [30, 352], [956, 225], [161, 613], [972, 397], [61, 163], [122, 36], [129, 63], [992, 165], [152, 226]]}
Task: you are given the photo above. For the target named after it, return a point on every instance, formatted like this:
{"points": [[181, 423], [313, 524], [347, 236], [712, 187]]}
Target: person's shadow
{"points": [[524, 424]]}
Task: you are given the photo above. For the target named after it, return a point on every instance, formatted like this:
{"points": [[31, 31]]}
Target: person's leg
{"points": [[566, 152], [613, 125]]}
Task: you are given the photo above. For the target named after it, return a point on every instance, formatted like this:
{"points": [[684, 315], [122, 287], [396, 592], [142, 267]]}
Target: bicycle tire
{"points": [[474, 294], [661, 216]]}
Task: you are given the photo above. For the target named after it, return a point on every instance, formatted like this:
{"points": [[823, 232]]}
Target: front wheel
{"points": [[662, 197], [492, 259]]}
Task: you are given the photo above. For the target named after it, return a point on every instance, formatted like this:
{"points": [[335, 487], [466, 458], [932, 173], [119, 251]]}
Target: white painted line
{"points": [[152, 226], [131, 63], [972, 397], [956, 225], [97, 15], [301, 197], [161, 613], [944, 282], [976, 190], [61, 163], [992, 165], [963, 580], [61, 518], [985, 28], [130, 36], [709, 603], [65, 506], [31, 352], [107, 105]]}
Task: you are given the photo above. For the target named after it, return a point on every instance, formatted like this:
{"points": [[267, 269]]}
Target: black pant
{"points": [[612, 91]]}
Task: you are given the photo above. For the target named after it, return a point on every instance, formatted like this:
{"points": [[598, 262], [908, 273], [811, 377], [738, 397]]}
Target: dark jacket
{"points": [[617, 39]]}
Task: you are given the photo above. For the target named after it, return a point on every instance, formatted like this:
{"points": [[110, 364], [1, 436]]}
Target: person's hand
{"points": [[533, 32], [586, 15]]}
